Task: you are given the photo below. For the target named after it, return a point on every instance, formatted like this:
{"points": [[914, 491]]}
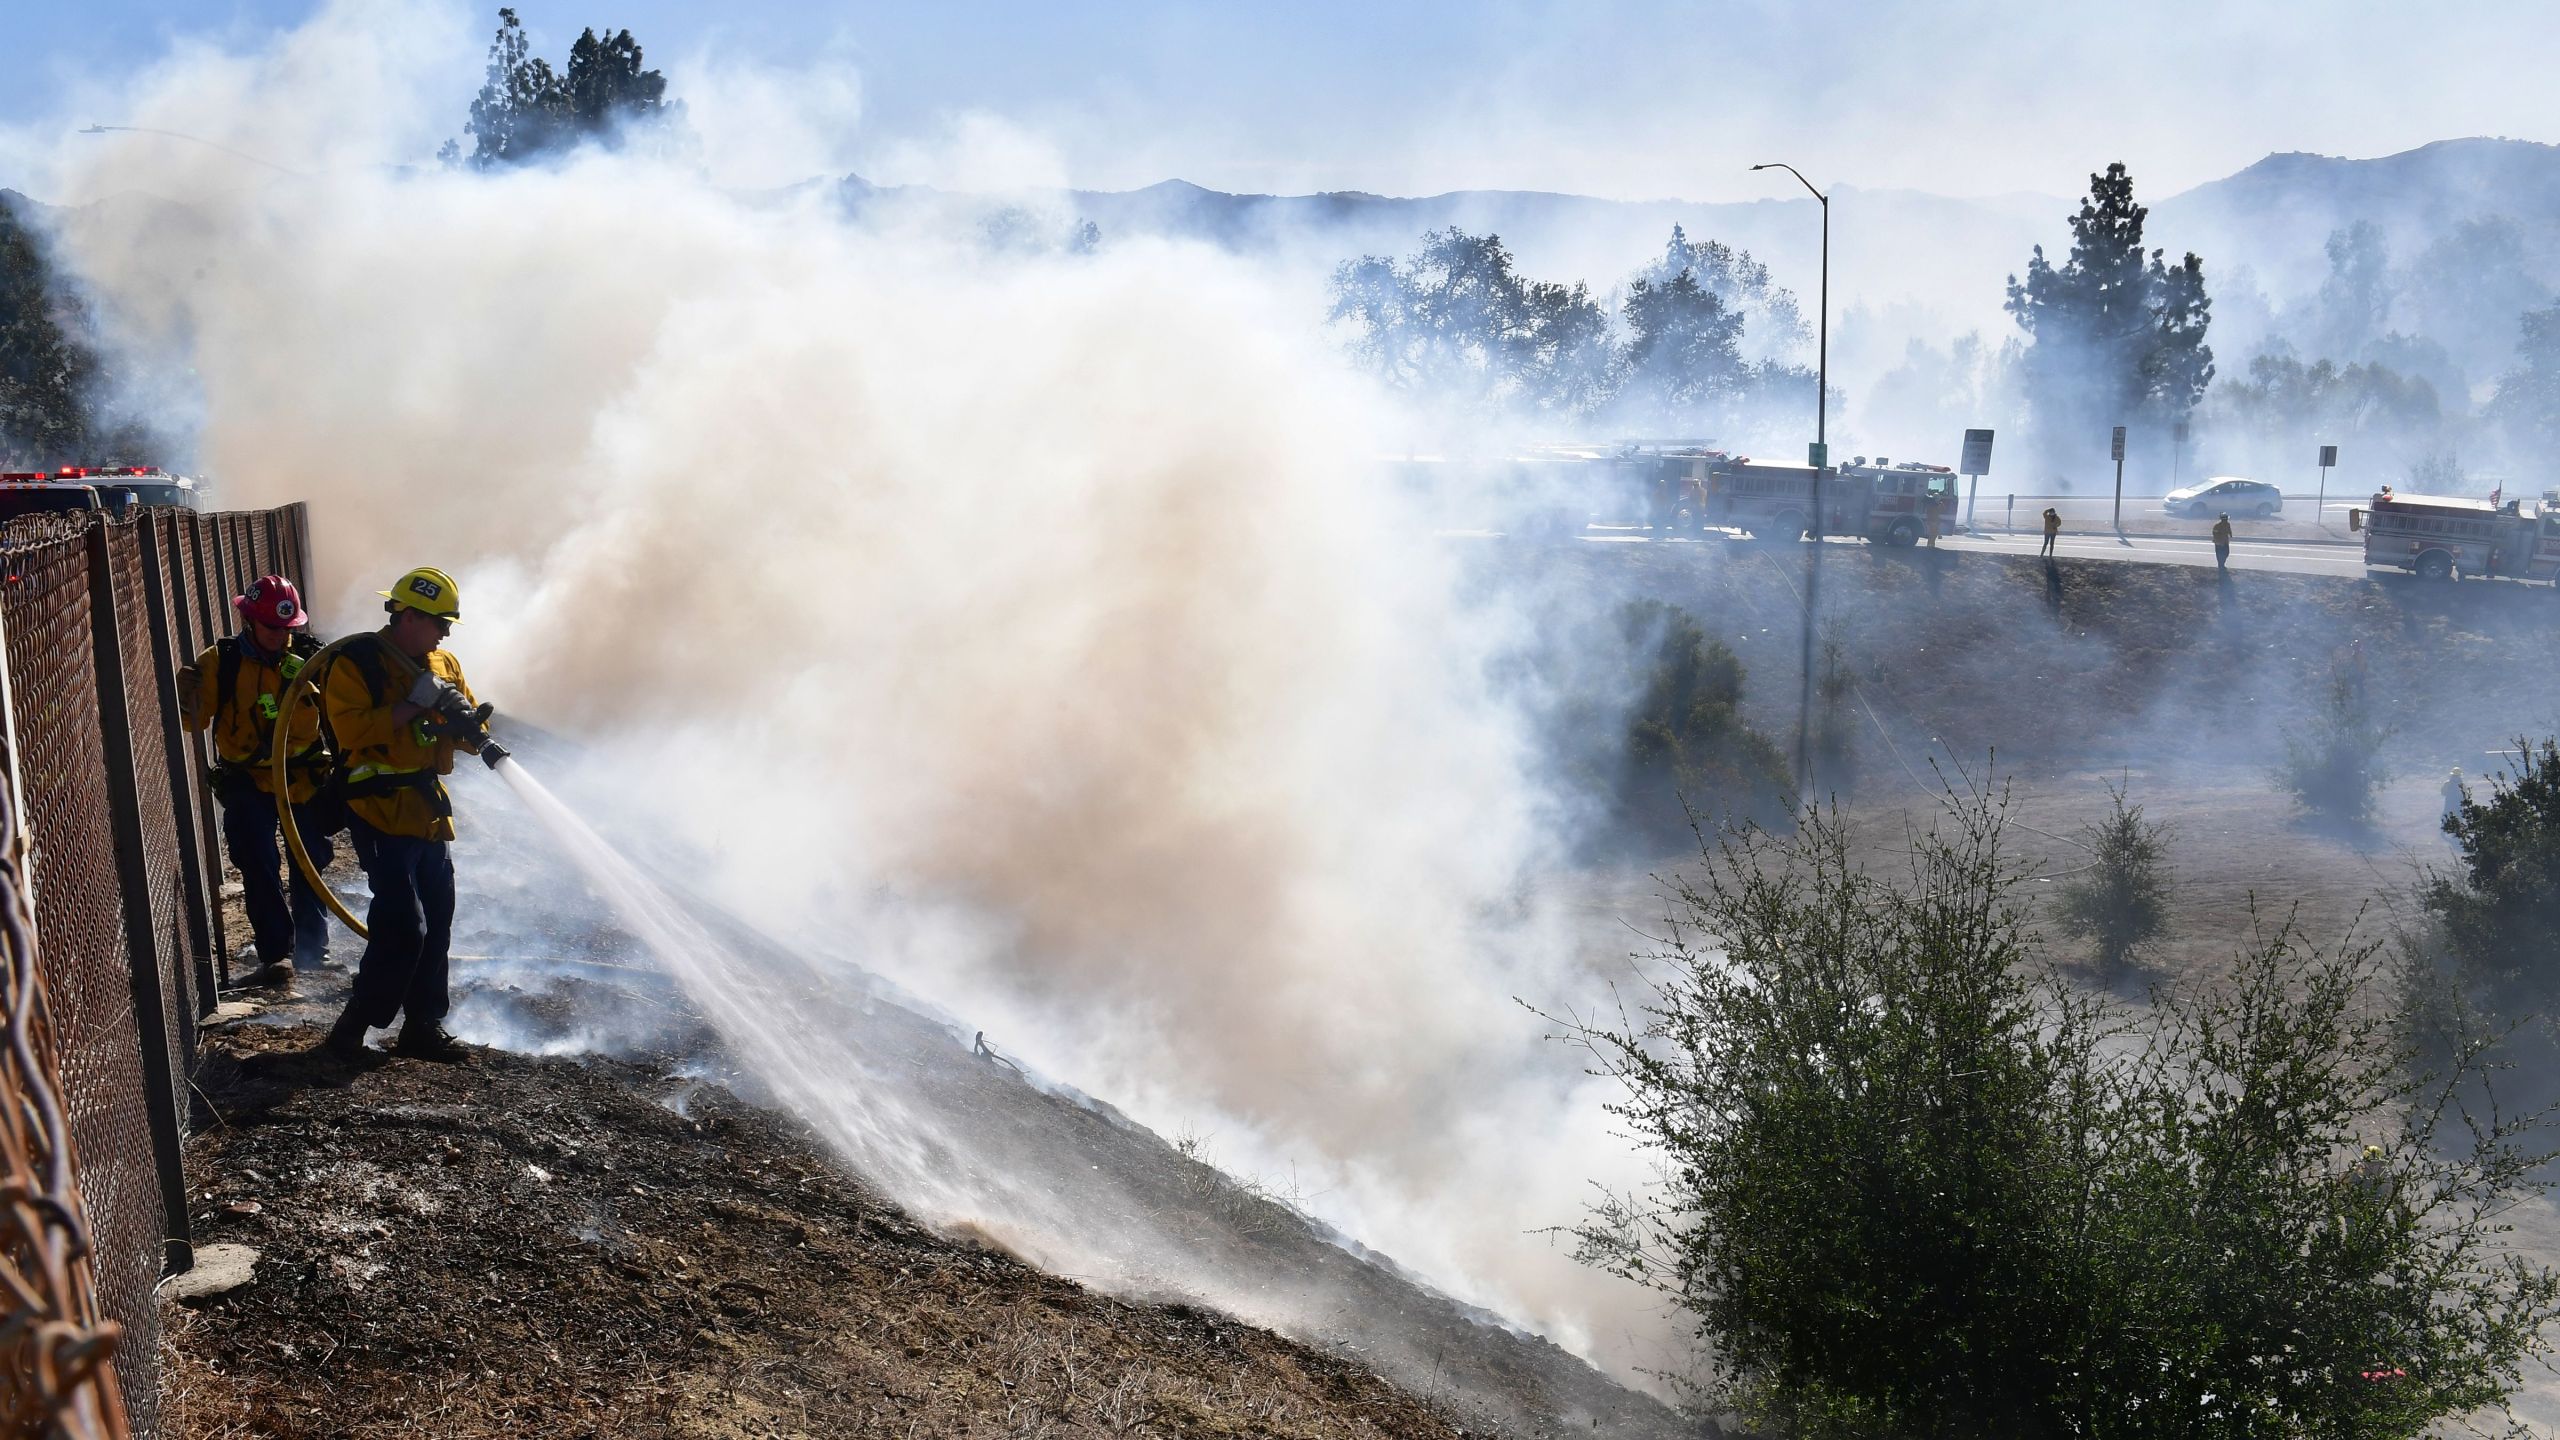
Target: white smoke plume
{"points": [[1038, 631]]}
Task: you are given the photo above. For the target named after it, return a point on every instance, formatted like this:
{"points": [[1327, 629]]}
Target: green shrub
{"points": [[2333, 764], [1687, 749], [1914, 1186], [2121, 900]]}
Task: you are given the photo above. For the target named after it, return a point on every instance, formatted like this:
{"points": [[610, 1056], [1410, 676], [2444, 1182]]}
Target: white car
{"points": [[2225, 495]]}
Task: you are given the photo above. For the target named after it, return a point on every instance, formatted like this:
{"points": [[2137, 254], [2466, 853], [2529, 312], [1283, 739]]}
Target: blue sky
{"points": [[1634, 98]]}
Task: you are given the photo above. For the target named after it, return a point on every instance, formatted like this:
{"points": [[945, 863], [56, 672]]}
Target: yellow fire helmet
{"points": [[429, 590]]}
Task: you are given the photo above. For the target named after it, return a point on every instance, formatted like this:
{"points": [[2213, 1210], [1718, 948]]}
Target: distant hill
{"points": [[2276, 215], [1888, 247]]}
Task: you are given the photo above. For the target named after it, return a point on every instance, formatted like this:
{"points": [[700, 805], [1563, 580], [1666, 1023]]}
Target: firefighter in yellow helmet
{"points": [[235, 688], [398, 709]]}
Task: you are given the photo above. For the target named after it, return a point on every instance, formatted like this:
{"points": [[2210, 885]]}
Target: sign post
{"points": [[1977, 463], [2328, 457], [2118, 450]]}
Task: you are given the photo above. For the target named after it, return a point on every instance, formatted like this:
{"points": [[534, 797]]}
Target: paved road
{"points": [[2296, 557]]}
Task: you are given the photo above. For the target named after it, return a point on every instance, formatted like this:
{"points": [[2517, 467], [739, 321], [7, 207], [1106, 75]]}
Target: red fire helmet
{"points": [[272, 600]]}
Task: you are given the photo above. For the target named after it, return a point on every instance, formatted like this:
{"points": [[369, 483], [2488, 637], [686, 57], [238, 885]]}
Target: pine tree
{"points": [[2119, 334], [606, 89], [526, 109]]}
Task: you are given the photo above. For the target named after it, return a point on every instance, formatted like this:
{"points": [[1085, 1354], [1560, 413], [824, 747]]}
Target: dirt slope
{"points": [[2090, 662], [524, 1246], [574, 985]]}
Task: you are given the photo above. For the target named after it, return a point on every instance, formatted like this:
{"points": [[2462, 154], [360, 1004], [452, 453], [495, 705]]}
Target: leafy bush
{"points": [[1687, 749], [2333, 766], [1912, 1185], [2121, 901], [2500, 915]]}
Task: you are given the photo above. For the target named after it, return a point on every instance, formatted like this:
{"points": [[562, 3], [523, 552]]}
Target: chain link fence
{"points": [[112, 938]]}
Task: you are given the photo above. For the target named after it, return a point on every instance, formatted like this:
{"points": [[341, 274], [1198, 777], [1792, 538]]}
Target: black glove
{"points": [[456, 720]]}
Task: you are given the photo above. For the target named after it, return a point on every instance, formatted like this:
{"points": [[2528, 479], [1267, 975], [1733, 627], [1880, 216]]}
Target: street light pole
{"points": [[1822, 320], [1822, 448]]}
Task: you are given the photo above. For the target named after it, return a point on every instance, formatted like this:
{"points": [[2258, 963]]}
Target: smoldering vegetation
{"points": [[970, 1139]]}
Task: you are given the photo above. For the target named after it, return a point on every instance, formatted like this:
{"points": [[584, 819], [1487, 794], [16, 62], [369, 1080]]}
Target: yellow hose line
{"points": [[284, 807]]}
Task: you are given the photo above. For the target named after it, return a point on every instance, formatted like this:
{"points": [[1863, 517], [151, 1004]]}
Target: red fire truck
{"points": [[2439, 537], [114, 489], [1888, 504]]}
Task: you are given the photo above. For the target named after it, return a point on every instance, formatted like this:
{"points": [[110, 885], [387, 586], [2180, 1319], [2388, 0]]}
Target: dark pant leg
{"points": [[396, 922], [429, 997], [310, 916], [249, 833]]}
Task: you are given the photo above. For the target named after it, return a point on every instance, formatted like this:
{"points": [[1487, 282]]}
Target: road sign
{"points": [[2328, 456], [2117, 452], [1977, 453], [1817, 454]]}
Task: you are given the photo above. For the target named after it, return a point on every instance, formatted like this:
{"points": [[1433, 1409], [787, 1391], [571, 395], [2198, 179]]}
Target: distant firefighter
{"points": [[2222, 543], [2052, 527]]}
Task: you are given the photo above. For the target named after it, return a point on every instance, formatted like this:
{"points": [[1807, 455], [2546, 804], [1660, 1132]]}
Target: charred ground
{"points": [[519, 1246], [581, 1245]]}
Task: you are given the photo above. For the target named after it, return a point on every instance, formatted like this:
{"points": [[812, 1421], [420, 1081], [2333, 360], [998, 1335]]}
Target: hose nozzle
{"points": [[491, 752]]}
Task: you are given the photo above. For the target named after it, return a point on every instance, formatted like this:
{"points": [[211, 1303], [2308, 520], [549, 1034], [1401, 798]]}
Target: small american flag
{"points": [[2497, 494]]}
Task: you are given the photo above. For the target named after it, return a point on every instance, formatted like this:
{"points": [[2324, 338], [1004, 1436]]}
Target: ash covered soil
{"points": [[572, 1244], [521, 1246]]}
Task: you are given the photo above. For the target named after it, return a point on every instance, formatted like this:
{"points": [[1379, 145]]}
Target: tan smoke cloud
{"points": [[1039, 622]]}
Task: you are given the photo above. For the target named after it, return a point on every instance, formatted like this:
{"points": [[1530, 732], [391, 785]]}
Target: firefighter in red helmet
{"points": [[235, 688]]}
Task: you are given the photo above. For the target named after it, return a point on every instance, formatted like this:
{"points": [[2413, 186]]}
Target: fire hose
{"points": [[473, 725]]}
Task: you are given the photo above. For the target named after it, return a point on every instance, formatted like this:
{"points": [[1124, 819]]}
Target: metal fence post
{"points": [[184, 797], [207, 610], [133, 869], [301, 513]]}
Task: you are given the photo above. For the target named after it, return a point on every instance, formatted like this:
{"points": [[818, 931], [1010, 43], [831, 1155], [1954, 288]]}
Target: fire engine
{"points": [[150, 484], [2439, 537], [111, 488], [1886, 503]]}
